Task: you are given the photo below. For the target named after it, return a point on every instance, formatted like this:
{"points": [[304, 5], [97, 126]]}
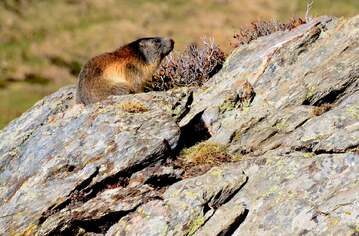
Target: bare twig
{"points": [[310, 3]]}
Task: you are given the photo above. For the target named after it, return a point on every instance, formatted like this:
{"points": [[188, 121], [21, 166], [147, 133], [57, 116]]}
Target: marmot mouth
{"points": [[166, 53]]}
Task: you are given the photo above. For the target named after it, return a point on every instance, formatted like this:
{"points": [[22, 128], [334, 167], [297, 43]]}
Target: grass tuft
{"points": [[202, 157], [317, 111], [205, 153], [133, 107]]}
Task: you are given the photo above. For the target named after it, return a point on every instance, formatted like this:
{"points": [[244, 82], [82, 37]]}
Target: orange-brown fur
{"points": [[122, 71]]}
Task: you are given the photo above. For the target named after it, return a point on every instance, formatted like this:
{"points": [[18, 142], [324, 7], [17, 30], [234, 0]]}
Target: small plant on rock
{"points": [[319, 110], [133, 107], [193, 67], [258, 29], [202, 157]]}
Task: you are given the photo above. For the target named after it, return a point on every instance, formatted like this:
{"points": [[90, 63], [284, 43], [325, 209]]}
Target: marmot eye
{"points": [[157, 40]]}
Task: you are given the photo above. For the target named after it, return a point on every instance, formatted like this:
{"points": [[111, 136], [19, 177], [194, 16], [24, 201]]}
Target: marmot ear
{"points": [[142, 43]]}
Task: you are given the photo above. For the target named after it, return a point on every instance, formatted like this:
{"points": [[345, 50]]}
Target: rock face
{"points": [[286, 104]]}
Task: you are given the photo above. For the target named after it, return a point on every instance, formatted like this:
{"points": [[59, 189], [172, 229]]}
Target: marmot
{"points": [[123, 71]]}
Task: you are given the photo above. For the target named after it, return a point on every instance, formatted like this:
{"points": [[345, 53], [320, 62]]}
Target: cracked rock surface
{"points": [[286, 105]]}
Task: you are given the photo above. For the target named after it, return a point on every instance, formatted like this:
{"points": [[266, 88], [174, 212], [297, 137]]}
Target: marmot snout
{"points": [[123, 71]]}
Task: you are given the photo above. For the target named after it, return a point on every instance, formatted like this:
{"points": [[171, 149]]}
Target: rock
{"points": [[301, 194], [286, 106], [68, 156], [226, 219], [185, 206]]}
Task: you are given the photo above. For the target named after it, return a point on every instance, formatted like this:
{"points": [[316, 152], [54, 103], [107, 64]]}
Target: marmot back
{"points": [[123, 71]]}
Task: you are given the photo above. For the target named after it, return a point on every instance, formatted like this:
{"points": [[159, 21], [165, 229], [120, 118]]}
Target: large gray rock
{"points": [[185, 206], [301, 194], [286, 105], [47, 158]]}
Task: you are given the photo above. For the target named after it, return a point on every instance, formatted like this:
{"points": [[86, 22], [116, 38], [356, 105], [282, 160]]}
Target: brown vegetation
{"points": [[317, 111], [197, 64], [262, 28], [133, 107], [202, 157], [193, 67]]}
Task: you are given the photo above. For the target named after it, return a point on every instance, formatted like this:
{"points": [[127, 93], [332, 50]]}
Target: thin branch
{"points": [[310, 3]]}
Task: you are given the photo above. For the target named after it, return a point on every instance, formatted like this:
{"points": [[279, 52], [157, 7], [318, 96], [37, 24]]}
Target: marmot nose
{"points": [[172, 43]]}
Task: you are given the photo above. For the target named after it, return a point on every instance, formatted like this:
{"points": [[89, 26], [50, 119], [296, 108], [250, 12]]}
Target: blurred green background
{"points": [[43, 43]]}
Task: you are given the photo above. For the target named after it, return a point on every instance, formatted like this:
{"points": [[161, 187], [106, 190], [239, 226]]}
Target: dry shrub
{"points": [[133, 107], [262, 28], [205, 153], [202, 157], [192, 67]]}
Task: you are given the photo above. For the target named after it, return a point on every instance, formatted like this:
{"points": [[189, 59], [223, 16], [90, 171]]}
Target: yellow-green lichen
{"points": [[227, 105], [165, 231], [272, 190], [348, 213], [190, 194], [195, 225], [281, 126], [308, 154], [333, 221], [246, 105], [353, 111], [142, 212], [356, 227], [311, 138], [237, 157], [236, 137], [284, 195], [105, 109], [310, 92], [217, 172]]}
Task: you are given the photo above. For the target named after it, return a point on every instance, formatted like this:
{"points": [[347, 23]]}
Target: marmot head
{"points": [[153, 50]]}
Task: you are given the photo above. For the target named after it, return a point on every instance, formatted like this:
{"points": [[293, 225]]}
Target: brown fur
{"points": [[122, 71]]}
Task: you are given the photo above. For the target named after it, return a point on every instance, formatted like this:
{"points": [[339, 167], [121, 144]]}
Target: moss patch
{"points": [[202, 157], [133, 107], [205, 153]]}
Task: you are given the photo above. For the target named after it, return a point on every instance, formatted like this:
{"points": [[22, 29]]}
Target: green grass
{"points": [[18, 97]]}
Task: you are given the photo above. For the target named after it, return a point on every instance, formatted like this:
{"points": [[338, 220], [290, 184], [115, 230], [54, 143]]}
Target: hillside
{"points": [[44, 43], [268, 146]]}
